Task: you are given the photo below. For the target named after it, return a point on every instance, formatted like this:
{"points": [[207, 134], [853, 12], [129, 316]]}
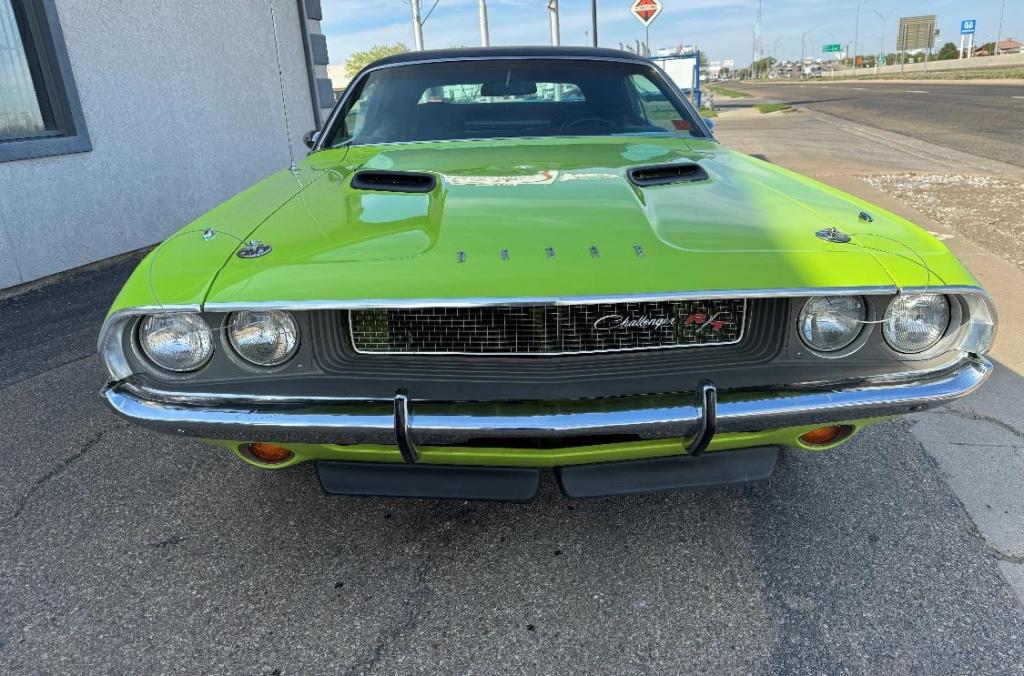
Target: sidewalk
{"points": [[978, 442]]}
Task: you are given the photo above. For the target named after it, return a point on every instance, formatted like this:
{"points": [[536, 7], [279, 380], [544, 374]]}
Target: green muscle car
{"points": [[496, 261]]}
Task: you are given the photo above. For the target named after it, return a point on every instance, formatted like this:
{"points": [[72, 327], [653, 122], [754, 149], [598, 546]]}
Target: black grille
{"points": [[548, 329]]}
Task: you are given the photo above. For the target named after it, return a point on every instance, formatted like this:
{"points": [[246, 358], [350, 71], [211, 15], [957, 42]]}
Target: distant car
{"points": [[463, 285]]}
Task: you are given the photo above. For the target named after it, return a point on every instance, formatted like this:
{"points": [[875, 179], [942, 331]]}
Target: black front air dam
{"points": [[668, 474], [450, 482], [520, 484]]}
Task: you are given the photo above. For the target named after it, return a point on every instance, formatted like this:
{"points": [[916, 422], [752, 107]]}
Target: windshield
{"points": [[512, 98]]}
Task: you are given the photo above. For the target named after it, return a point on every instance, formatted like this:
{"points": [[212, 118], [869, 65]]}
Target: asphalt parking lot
{"points": [[122, 551]]}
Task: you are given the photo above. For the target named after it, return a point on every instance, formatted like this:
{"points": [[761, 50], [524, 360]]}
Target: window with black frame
{"points": [[39, 110]]}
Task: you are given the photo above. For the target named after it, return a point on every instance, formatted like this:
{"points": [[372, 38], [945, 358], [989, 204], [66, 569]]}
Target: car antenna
{"points": [[292, 167]]}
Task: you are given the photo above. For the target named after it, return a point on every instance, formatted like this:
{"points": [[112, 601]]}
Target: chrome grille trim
{"points": [[544, 330]]}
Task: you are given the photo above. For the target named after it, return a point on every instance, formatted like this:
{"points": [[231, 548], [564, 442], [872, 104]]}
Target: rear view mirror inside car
{"points": [[508, 88]]}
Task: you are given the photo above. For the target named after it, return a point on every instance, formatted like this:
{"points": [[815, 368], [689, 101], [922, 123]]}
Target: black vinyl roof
{"points": [[508, 52]]}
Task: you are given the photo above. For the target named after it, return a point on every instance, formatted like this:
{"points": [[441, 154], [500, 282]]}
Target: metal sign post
{"points": [[967, 29], [916, 33], [646, 11]]}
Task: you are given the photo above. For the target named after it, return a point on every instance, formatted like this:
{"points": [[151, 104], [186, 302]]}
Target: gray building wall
{"points": [[183, 107], [319, 58]]}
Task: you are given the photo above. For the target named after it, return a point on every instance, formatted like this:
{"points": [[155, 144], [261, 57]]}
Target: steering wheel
{"points": [[600, 120]]}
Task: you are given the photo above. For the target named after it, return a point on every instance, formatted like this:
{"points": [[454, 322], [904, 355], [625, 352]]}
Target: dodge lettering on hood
{"points": [[495, 262]]}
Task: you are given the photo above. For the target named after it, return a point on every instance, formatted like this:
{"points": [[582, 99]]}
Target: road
{"points": [[981, 119]]}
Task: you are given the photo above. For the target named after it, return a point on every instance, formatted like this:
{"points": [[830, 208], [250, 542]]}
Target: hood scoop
{"points": [[394, 181], [664, 174]]}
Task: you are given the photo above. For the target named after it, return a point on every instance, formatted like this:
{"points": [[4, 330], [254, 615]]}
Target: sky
{"points": [[721, 28]]}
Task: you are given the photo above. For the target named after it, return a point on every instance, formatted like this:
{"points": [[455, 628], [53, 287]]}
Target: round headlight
{"points": [[830, 323], [914, 323], [179, 341], [263, 337]]}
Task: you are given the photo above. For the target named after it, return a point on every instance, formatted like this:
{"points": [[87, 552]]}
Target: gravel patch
{"points": [[985, 210]]}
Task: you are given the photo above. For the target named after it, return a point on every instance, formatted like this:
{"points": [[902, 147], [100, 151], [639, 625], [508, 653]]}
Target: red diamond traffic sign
{"points": [[646, 11]]}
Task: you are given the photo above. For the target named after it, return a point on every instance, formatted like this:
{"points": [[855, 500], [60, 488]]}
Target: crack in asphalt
{"points": [[1003, 556], [415, 602], [56, 471], [971, 414]]}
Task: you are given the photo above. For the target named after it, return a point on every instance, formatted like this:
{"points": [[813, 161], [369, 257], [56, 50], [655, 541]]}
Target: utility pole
{"points": [[999, 34], [417, 25], [593, 22], [485, 39], [553, 15]]}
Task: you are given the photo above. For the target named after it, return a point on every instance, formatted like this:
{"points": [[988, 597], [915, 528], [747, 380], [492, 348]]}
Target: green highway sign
{"points": [[832, 48]]}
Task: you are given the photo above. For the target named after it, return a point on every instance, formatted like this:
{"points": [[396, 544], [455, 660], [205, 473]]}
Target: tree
{"points": [[358, 60], [762, 66]]}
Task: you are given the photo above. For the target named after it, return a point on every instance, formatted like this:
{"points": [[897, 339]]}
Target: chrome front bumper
{"points": [[408, 423]]}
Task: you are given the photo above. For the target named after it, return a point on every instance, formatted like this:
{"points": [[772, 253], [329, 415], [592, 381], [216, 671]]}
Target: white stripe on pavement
{"points": [[916, 91]]}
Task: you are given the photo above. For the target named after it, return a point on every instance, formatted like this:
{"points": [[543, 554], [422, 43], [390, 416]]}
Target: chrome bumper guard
{"points": [[408, 423]]}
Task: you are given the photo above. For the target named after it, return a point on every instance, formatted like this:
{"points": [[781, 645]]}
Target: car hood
{"points": [[559, 217]]}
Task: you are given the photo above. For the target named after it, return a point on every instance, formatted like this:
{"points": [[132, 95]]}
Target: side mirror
{"points": [[709, 122], [310, 138]]}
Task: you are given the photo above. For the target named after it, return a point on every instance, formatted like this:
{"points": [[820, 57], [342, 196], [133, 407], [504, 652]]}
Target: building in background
{"points": [[1007, 46], [122, 121]]}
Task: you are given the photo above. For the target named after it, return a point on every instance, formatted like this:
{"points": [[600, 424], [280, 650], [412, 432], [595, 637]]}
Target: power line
{"points": [[431, 11]]}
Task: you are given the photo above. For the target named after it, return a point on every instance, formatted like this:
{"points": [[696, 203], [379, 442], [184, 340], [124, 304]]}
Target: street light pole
{"points": [[593, 22], [417, 25], [485, 38], [881, 46], [774, 55], [856, 32], [803, 46], [999, 35]]}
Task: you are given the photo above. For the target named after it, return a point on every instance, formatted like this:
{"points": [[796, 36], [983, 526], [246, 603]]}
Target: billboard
{"points": [[916, 32]]}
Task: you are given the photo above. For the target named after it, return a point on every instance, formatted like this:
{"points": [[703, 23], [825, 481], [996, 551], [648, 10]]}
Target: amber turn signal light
{"points": [[269, 453], [822, 436]]}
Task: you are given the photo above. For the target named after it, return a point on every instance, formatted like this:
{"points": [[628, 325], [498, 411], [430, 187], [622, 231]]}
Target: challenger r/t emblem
{"points": [[699, 319]]}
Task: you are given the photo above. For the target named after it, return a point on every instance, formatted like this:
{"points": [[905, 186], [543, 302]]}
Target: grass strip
{"points": [[766, 108], [1008, 73], [729, 93]]}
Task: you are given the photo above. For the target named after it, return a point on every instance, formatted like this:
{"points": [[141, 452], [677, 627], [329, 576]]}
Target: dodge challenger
{"points": [[497, 262]]}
